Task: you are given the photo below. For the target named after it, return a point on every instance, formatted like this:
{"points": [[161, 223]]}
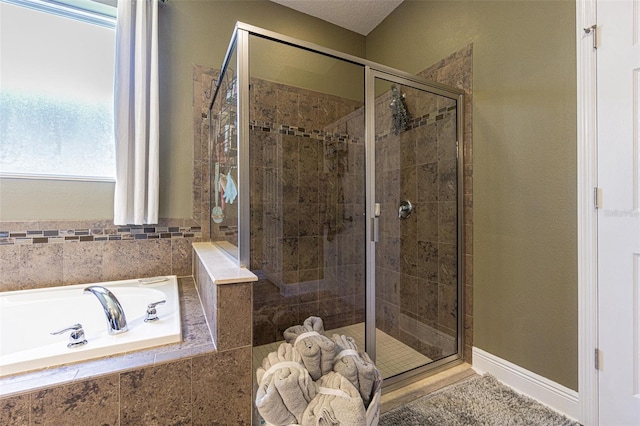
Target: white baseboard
{"points": [[547, 392]]}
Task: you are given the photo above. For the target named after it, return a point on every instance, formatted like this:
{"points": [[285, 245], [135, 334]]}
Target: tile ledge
{"points": [[220, 266]]}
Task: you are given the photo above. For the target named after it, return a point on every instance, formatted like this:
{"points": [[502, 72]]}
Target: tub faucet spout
{"points": [[116, 320]]}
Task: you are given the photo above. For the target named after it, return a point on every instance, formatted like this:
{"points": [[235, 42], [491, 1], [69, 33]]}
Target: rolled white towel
{"points": [[317, 350], [356, 367], [337, 402], [284, 387]]}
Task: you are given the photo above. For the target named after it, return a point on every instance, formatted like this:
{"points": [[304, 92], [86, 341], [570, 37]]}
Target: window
{"points": [[56, 89]]}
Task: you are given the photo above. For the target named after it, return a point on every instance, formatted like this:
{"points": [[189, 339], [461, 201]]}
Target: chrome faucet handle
{"points": [[405, 209], [152, 313], [76, 338]]}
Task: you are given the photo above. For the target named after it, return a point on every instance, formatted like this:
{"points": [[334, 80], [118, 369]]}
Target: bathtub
{"points": [[28, 317]]}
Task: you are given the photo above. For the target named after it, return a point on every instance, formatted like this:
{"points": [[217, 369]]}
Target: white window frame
{"points": [[86, 11]]}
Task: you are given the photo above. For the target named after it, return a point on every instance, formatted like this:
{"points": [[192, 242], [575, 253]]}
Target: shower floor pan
{"points": [[394, 357]]}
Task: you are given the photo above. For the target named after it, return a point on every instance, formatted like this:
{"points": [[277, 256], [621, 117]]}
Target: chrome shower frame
{"points": [[372, 70]]}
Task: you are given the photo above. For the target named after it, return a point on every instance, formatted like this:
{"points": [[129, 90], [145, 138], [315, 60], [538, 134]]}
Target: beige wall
{"points": [[524, 172], [525, 279], [190, 32]]}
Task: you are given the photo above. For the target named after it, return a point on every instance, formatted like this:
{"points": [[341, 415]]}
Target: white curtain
{"points": [[136, 113]]}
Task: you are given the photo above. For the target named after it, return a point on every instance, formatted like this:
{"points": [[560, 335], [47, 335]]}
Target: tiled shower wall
{"points": [[307, 200], [416, 263], [457, 70], [416, 271]]}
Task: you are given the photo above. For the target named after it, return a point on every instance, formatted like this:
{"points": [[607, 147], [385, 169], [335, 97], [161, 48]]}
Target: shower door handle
{"points": [[374, 229], [374, 222]]}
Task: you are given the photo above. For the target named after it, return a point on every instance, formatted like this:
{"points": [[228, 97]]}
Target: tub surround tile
{"points": [[120, 260], [123, 362], [222, 388], [9, 267], [40, 265], [234, 316], [82, 263], [202, 387], [227, 305], [196, 340], [14, 411], [155, 258], [117, 253], [157, 395], [95, 399]]}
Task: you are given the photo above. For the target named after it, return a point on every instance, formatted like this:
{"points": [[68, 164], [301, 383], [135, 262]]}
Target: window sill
{"points": [[57, 177]]}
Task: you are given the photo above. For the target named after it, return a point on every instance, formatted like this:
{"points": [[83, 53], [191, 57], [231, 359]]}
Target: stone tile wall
{"points": [[457, 70], [416, 264], [223, 152], [48, 254], [417, 274], [228, 309], [208, 389], [307, 200]]}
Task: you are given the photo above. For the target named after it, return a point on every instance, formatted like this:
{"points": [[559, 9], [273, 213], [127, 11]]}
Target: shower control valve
{"points": [[405, 209], [152, 313]]}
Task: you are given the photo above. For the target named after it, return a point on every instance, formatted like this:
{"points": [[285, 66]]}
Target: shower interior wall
{"points": [[307, 203], [307, 215], [416, 258]]}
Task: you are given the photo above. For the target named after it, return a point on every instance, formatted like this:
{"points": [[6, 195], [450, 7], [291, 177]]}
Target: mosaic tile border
{"points": [[284, 129], [98, 234], [321, 135], [424, 120]]}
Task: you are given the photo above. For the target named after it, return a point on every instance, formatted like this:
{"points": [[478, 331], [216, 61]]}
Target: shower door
{"points": [[414, 218], [349, 205]]}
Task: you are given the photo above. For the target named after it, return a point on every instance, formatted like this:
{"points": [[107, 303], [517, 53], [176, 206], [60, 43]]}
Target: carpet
{"points": [[481, 400]]}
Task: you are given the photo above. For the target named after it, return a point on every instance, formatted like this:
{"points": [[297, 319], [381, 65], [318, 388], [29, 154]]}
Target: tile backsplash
{"points": [[47, 254]]}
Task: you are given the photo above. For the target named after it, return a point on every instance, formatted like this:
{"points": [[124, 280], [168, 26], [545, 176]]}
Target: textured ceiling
{"points": [[360, 16]]}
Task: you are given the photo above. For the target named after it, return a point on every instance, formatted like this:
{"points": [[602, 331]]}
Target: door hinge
{"points": [[594, 29], [598, 195], [596, 358]]}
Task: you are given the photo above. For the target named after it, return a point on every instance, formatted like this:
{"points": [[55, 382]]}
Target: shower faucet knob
{"points": [[405, 209]]}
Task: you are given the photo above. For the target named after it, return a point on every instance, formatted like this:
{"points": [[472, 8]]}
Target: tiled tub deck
{"points": [[190, 382]]}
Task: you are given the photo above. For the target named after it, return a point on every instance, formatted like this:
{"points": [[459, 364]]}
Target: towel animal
{"points": [[317, 350], [356, 367], [230, 192], [284, 387], [337, 402]]}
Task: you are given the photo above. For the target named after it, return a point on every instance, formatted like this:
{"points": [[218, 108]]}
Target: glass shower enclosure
{"points": [[337, 181]]}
